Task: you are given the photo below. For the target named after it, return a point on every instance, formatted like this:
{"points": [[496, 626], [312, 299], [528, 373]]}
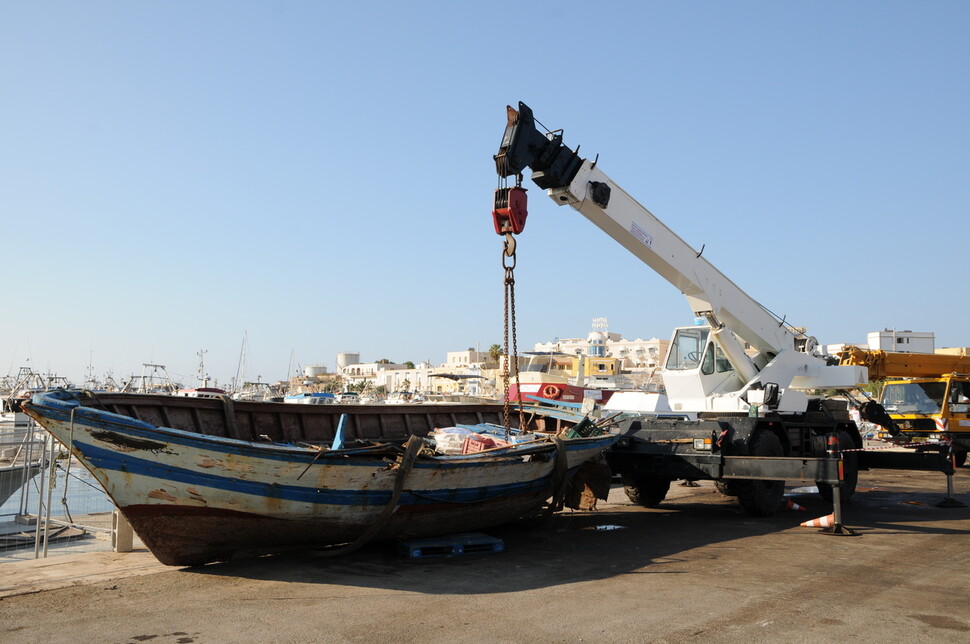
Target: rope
{"points": [[414, 445], [230, 414], [560, 469], [67, 470], [79, 479], [93, 396]]}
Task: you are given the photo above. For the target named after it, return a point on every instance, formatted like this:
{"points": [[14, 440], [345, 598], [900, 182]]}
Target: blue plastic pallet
{"points": [[450, 546]]}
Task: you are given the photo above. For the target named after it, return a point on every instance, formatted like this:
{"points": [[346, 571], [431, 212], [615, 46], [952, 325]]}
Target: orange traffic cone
{"points": [[821, 522], [791, 505]]}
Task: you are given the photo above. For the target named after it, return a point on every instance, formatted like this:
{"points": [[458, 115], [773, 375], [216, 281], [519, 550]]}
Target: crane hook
{"points": [[508, 248]]}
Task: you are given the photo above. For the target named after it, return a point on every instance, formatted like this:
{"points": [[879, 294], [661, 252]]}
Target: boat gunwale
{"points": [[71, 410]]}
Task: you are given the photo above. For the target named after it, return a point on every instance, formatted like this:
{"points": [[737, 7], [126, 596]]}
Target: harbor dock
{"points": [[692, 569]]}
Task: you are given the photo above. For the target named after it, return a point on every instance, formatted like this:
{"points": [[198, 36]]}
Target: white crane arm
{"points": [[783, 359], [653, 243], [579, 183]]}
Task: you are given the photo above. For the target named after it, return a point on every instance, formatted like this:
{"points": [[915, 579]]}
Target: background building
{"points": [[892, 340], [902, 341], [634, 355]]}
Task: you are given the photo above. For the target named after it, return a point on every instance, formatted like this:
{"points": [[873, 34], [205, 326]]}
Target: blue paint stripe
{"points": [[112, 461]]}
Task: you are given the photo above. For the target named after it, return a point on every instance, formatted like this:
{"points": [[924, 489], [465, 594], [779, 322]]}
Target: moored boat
{"points": [[21, 457], [201, 392], [561, 377], [201, 479]]}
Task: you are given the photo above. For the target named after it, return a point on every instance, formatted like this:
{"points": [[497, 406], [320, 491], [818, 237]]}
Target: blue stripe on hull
{"points": [[110, 461]]}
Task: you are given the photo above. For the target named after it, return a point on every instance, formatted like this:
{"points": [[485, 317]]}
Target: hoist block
{"points": [[510, 210]]}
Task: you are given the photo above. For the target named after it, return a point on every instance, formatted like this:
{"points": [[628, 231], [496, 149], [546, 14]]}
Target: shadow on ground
{"points": [[621, 538]]}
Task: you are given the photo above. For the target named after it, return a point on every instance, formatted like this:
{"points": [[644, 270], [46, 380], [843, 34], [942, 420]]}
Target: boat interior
{"points": [[290, 423]]}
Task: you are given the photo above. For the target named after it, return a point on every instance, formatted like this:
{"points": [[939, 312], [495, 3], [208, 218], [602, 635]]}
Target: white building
{"points": [[635, 355], [460, 372], [902, 341], [355, 373], [465, 359], [891, 340], [406, 379]]}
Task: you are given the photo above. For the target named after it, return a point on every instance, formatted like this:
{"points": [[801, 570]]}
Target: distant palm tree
{"points": [[494, 353]]}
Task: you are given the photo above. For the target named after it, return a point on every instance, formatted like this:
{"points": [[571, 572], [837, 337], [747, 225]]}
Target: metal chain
{"points": [[515, 351], [512, 357], [505, 351]]}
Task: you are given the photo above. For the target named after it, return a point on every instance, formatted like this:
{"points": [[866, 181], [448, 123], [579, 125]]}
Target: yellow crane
{"points": [[927, 396]]}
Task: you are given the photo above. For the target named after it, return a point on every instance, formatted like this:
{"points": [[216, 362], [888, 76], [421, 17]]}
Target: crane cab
{"points": [[697, 370], [930, 410]]}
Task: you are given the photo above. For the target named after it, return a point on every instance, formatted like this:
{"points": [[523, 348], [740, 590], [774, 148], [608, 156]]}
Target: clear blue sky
{"points": [[319, 175]]}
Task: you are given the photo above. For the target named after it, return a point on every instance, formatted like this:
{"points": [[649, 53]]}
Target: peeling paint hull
{"points": [[194, 498]]}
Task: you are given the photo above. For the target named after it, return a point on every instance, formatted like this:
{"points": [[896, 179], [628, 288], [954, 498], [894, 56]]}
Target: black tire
{"points": [[648, 491], [762, 498], [959, 457], [850, 471]]}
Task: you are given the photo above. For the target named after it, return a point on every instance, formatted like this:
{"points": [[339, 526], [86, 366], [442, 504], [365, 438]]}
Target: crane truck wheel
{"points": [[850, 472], [644, 490], [762, 498]]}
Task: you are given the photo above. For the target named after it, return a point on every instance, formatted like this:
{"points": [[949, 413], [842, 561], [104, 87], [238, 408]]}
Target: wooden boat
{"points": [[560, 377], [202, 479]]}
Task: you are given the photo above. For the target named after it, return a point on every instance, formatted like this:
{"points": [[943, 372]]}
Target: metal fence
{"points": [[55, 507]]}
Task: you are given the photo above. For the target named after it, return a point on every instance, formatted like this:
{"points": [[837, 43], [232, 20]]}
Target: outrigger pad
{"points": [[839, 530], [950, 502]]}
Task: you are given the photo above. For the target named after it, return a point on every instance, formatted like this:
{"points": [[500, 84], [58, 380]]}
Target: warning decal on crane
{"points": [[641, 234]]}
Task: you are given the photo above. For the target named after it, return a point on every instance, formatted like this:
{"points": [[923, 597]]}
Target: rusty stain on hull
{"points": [[162, 495]]}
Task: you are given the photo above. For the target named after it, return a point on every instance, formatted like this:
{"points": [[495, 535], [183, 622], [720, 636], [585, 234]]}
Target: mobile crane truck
{"points": [[926, 395], [740, 415]]}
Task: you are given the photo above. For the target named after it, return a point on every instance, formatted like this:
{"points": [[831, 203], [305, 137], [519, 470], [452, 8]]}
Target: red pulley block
{"points": [[510, 210]]}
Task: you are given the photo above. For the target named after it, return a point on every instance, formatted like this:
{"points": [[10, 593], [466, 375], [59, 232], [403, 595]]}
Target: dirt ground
{"points": [[693, 569]]}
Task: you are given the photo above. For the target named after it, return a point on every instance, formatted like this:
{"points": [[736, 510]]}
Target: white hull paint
{"points": [[194, 498]]}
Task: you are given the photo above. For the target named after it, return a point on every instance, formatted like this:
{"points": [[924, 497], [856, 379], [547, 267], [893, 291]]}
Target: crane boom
{"points": [[707, 370], [887, 364], [579, 183]]}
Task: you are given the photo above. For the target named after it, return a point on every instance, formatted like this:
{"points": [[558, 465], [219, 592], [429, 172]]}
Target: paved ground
{"points": [[694, 569]]}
